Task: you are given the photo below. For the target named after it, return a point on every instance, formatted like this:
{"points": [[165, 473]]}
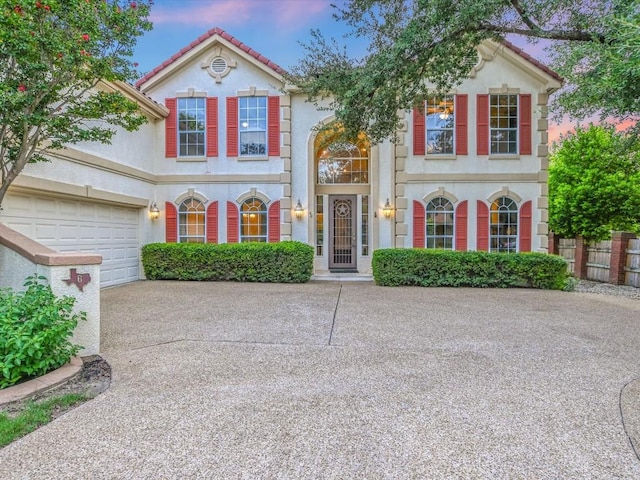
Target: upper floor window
{"points": [[503, 124], [253, 221], [439, 219], [440, 121], [191, 127], [191, 220], [343, 162], [252, 112], [503, 227]]}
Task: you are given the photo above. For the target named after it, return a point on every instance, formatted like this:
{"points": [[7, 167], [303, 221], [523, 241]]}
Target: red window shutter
{"points": [[461, 112], [461, 226], [274, 222], [212, 223], [233, 223], [525, 226], [171, 222], [418, 131], [171, 129], [212, 127], [419, 225], [232, 126], [273, 128], [482, 130], [483, 227], [525, 124]]}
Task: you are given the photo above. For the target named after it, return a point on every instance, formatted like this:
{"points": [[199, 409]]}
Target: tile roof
{"points": [[214, 31], [530, 59]]}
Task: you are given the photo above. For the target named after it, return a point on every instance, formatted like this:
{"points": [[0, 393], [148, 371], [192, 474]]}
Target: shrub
{"points": [[283, 262], [35, 331], [435, 268]]}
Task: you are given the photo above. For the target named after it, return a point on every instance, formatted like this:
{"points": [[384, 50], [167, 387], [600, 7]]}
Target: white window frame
{"points": [[192, 106], [191, 209], [440, 118], [501, 124], [439, 206], [247, 220], [253, 121], [503, 235]]}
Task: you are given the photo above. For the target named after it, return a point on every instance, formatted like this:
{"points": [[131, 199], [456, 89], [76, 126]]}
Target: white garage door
{"points": [[67, 225]]}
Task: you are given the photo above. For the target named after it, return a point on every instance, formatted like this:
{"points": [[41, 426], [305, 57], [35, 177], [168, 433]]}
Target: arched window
{"points": [[503, 233], [253, 221], [341, 162], [191, 221], [439, 219]]}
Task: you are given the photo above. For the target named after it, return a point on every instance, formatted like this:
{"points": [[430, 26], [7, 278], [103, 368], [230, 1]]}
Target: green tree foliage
{"points": [[417, 47], [54, 54], [594, 183]]}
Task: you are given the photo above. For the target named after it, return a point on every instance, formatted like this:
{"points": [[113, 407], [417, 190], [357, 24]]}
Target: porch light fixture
{"points": [[154, 211], [299, 211], [387, 209]]}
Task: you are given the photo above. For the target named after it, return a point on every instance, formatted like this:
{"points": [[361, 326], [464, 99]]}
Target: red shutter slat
{"points": [[482, 127], [274, 222], [418, 131], [525, 124], [273, 135], [461, 226], [232, 126], [483, 227], [233, 223], [525, 226], [171, 129], [171, 222], [212, 127], [212, 223], [461, 113], [419, 225]]}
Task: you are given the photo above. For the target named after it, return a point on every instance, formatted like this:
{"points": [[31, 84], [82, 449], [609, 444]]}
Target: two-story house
{"points": [[231, 154]]}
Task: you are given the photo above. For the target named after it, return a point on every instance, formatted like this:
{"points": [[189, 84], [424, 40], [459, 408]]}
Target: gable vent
{"points": [[218, 65]]}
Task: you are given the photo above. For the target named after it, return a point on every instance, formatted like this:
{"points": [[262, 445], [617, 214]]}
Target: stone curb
{"points": [[50, 380]]}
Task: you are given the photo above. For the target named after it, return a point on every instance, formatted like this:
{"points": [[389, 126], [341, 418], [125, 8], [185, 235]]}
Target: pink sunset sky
{"points": [[272, 27]]}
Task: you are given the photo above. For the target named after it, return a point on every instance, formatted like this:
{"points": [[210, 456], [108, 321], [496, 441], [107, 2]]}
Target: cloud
{"points": [[283, 14]]}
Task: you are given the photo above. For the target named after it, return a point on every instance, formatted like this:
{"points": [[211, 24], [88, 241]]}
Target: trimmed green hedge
{"points": [[436, 268], [283, 262]]}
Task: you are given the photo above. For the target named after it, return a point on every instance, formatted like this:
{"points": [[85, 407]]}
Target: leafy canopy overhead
{"points": [[53, 56], [422, 47], [594, 183]]}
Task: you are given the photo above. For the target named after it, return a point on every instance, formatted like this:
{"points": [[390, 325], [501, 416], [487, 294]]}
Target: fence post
{"points": [[554, 244], [619, 244], [582, 256]]}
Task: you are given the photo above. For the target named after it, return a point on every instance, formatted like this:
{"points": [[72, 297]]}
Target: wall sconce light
{"points": [[154, 211], [299, 211], [387, 210]]}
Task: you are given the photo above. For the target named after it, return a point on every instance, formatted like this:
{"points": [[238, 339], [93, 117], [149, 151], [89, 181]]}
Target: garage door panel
{"points": [[78, 226]]}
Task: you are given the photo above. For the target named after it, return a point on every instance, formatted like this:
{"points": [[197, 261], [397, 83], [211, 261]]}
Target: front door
{"points": [[342, 232]]}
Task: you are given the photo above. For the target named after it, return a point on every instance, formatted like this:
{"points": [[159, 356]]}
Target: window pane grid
{"points": [[253, 125], [343, 163], [440, 121], [191, 221], [365, 225], [253, 221], [191, 127], [319, 226], [439, 224], [504, 226], [503, 123]]}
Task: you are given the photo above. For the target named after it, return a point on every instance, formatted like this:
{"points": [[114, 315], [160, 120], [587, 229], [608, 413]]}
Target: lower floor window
{"points": [[191, 220], [253, 221], [503, 226], [439, 217]]}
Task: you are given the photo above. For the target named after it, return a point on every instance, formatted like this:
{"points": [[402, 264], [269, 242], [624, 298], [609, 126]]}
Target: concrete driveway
{"points": [[340, 381]]}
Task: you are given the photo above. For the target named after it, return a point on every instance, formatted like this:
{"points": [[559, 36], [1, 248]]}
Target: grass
{"points": [[34, 415]]}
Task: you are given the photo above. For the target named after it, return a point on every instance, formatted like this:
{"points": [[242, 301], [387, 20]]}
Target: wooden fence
{"points": [[632, 269], [612, 261]]}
